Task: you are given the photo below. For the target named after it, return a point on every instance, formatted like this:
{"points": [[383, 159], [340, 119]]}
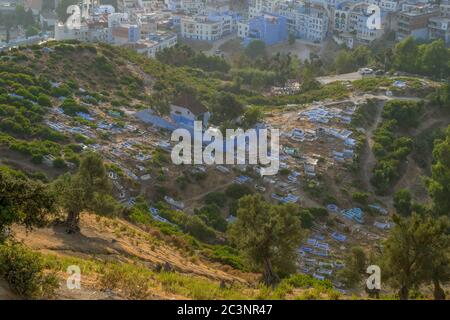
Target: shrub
{"points": [[360, 197], [237, 191], [24, 271], [217, 198], [44, 101], [59, 163], [133, 282]]}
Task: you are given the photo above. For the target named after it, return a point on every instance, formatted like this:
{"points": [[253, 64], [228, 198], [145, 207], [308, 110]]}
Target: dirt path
{"points": [[411, 175], [340, 77], [201, 195], [368, 159]]}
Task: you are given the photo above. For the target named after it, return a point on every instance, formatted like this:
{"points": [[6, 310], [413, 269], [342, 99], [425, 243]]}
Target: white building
{"points": [[308, 22], [350, 20], [148, 24], [201, 28], [62, 32], [193, 6], [155, 43]]}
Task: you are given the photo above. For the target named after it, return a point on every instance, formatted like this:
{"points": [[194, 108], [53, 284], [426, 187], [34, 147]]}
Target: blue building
{"points": [[269, 28], [134, 33]]}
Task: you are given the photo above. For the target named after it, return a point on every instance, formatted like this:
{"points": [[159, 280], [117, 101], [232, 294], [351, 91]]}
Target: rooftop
{"points": [[191, 103]]}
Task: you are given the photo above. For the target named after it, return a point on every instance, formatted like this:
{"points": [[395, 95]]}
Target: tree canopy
{"points": [[268, 235], [416, 252], [23, 201], [88, 189]]}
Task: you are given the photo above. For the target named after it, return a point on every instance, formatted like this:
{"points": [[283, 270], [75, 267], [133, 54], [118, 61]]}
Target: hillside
{"points": [[164, 230]]}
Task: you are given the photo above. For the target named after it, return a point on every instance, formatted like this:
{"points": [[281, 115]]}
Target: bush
{"points": [[44, 101], [217, 198], [59, 163], [71, 107], [360, 197], [212, 216], [131, 281], [237, 191], [24, 271]]}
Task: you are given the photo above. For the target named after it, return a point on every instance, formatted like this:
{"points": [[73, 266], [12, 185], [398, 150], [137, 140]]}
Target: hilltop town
{"points": [[150, 26]]}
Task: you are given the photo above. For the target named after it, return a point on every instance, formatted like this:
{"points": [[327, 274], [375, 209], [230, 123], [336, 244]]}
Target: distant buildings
{"points": [[154, 43], [309, 22], [126, 33], [184, 110], [201, 28], [137, 30], [351, 23], [439, 28], [209, 27], [149, 26], [269, 28], [412, 20]]}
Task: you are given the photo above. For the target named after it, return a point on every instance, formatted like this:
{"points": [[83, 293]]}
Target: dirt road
{"points": [[340, 77]]}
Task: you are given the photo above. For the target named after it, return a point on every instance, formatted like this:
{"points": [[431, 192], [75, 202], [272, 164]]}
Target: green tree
{"points": [[417, 252], [436, 264], [439, 182], [355, 267], [31, 31], [212, 216], [402, 202], [434, 59], [268, 235], [256, 49], [252, 116], [44, 100], [406, 55], [344, 62], [226, 107], [23, 201], [85, 190]]}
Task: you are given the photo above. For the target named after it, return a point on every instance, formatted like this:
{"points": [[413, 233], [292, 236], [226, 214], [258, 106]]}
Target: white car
{"points": [[364, 71]]}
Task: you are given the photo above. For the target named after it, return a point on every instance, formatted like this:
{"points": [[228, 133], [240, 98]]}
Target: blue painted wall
{"points": [[270, 28]]}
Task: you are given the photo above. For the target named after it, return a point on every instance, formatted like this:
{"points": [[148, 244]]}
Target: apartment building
{"points": [[62, 32], [444, 8], [154, 43], [148, 24], [352, 23], [413, 19], [439, 28], [305, 21], [201, 28], [259, 7], [269, 28], [193, 6]]}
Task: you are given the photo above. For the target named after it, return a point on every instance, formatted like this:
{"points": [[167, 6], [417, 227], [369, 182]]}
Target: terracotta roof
{"points": [[189, 102]]}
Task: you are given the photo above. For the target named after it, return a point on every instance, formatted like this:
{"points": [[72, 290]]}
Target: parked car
{"points": [[365, 71]]}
